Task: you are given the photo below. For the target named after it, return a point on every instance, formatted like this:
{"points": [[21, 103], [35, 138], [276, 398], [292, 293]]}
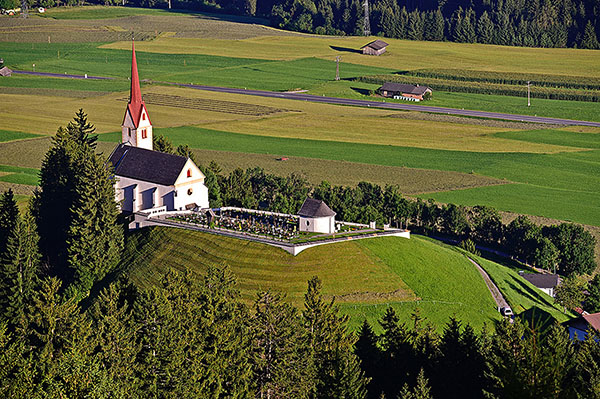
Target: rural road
{"points": [[496, 294], [357, 103]]}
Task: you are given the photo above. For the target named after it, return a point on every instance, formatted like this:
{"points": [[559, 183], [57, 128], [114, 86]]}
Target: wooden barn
{"points": [[376, 47], [404, 91]]}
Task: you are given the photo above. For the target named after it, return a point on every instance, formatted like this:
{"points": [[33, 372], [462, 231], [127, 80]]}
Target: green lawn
{"points": [[556, 137], [7, 135]]}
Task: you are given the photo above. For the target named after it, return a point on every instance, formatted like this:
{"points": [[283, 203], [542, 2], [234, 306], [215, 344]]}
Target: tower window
{"points": [[189, 173], [143, 116], [129, 131], [144, 134]]}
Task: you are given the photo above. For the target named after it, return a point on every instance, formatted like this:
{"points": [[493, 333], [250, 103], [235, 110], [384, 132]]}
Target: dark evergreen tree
{"points": [[590, 39], [337, 368], [9, 216], [19, 272], [282, 360], [94, 238], [162, 144], [592, 302], [368, 351]]}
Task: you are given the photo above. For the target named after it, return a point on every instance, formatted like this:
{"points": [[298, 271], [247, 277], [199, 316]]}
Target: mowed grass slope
{"points": [[365, 276]]}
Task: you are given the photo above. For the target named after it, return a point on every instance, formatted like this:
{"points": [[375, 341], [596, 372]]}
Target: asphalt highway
{"points": [[395, 106], [356, 103]]}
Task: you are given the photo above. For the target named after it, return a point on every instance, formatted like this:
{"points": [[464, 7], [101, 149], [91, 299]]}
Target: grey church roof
{"points": [[151, 166], [313, 208]]}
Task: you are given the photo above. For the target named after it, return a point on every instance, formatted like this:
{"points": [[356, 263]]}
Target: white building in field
{"points": [[316, 217], [146, 179]]}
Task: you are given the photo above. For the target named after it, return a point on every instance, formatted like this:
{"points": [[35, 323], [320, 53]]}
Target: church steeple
{"points": [[135, 94], [137, 129]]}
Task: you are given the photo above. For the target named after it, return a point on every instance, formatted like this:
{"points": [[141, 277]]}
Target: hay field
{"points": [[481, 57]]}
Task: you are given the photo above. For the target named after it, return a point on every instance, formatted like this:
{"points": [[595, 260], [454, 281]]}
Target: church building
{"points": [[146, 179]]}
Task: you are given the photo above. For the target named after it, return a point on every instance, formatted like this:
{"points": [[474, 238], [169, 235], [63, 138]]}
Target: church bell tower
{"points": [[137, 128]]}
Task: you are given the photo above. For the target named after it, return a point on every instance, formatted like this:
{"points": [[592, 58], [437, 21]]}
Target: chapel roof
{"points": [[147, 165], [313, 208]]}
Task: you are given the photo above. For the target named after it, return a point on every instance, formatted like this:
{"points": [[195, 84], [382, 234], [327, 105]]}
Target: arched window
{"points": [[189, 173], [190, 191], [143, 116], [144, 134]]}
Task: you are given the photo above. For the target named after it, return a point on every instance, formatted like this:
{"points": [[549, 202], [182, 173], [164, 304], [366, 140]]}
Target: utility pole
{"points": [[337, 67], [528, 93], [366, 23]]}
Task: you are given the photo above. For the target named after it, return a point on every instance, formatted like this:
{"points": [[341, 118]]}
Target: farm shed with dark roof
{"points": [[402, 90], [545, 282], [316, 217], [376, 47]]}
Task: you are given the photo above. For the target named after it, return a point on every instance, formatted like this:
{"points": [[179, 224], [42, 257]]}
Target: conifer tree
{"points": [[58, 191], [94, 238], [398, 355], [370, 356], [116, 348], [162, 144], [62, 347], [9, 216], [337, 369], [19, 272], [590, 39], [282, 360]]}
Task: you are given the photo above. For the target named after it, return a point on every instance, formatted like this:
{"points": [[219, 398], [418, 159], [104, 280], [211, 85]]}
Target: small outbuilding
{"points": [[545, 282], [4, 71], [316, 217], [376, 47], [579, 327], [404, 91]]}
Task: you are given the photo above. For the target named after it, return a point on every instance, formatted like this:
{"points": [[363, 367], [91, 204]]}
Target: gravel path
{"points": [[496, 294]]}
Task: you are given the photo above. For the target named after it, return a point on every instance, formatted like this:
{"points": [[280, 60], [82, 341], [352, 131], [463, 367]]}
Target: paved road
{"points": [[60, 75], [396, 106], [357, 103]]}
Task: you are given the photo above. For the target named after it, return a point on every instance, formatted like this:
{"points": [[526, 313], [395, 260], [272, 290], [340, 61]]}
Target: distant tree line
{"points": [[565, 248], [530, 23]]}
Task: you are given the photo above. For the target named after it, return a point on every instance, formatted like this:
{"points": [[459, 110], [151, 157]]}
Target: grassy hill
{"points": [[364, 276]]}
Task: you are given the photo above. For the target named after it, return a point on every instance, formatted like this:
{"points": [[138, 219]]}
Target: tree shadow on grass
{"points": [[528, 292], [364, 92], [346, 49]]}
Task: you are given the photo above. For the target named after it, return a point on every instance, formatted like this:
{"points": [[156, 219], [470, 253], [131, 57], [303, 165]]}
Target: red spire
{"points": [[135, 95]]}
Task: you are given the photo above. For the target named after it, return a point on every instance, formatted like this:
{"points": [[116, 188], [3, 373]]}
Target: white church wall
{"points": [[144, 195]]}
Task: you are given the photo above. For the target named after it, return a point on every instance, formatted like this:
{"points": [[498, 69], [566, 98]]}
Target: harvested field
{"points": [[99, 24], [18, 189], [228, 107], [411, 181], [424, 116]]}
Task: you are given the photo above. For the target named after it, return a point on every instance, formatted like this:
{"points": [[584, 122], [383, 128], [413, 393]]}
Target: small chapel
{"points": [[147, 179]]}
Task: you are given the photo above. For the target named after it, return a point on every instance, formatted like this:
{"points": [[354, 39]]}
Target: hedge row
{"points": [[567, 82], [487, 88]]}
